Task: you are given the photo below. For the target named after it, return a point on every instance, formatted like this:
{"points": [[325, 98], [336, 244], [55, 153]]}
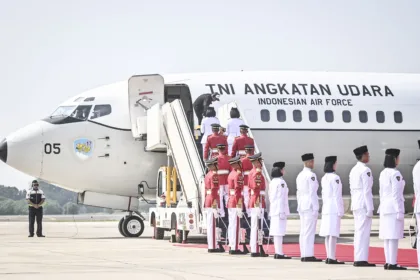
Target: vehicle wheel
{"points": [[158, 233], [120, 227], [133, 226]]}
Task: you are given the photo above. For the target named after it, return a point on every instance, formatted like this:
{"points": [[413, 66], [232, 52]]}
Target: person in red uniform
{"points": [[212, 204], [212, 141], [247, 167], [256, 183], [236, 184], [241, 141], [224, 169]]}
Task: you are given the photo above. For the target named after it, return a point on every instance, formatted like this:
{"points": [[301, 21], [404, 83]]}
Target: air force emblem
{"points": [[368, 174], [282, 185], [398, 178], [83, 148], [313, 178], [338, 181]]}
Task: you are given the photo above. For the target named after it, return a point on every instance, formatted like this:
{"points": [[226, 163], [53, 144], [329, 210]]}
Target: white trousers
{"points": [[255, 215], [246, 200], [278, 245], [307, 233], [418, 239], [211, 229], [362, 227], [223, 196], [233, 228], [330, 246], [391, 250]]}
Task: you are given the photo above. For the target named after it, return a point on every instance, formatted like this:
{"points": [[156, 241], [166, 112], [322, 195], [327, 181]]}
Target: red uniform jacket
{"points": [[246, 167], [256, 186], [224, 168], [211, 144], [239, 144], [211, 182], [236, 185]]}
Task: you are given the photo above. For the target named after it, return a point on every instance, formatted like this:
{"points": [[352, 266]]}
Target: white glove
{"points": [[282, 216], [400, 216], [369, 214]]}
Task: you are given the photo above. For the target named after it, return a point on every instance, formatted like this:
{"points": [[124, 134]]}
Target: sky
{"points": [[51, 50]]}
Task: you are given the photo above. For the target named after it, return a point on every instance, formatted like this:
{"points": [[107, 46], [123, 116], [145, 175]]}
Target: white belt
{"points": [[246, 172], [222, 171], [232, 192], [209, 191], [214, 150], [242, 152], [261, 192]]}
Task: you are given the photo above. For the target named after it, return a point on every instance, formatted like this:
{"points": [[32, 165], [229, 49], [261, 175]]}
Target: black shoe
{"points": [[281, 257], [363, 264], [385, 266], [310, 259], [395, 267], [41, 235], [235, 252], [214, 251], [254, 255], [30, 235], [331, 261]]}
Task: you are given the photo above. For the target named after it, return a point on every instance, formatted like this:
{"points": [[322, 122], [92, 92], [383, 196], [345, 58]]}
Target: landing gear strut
{"points": [[131, 225]]}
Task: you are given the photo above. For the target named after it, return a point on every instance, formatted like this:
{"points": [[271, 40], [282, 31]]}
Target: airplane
{"points": [[92, 144]]}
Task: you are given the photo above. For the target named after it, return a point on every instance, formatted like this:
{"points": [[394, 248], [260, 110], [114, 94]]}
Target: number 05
{"points": [[52, 148]]}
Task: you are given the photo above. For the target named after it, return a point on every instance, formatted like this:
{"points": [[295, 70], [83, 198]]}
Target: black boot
{"points": [[262, 253]]}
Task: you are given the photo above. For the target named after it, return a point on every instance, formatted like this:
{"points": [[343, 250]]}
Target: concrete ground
{"points": [[83, 250]]}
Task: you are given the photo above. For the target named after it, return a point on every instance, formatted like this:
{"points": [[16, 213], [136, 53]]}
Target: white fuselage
{"points": [[289, 114]]}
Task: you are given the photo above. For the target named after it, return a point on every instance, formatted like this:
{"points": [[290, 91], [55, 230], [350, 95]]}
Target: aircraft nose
{"points": [[3, 150]]}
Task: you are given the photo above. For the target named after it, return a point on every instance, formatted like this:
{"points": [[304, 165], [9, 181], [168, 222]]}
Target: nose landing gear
{"points": [[131, 225]]}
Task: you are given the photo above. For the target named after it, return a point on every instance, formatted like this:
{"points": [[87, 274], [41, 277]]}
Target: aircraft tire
{"points": [[133, 226], [120, 227]]}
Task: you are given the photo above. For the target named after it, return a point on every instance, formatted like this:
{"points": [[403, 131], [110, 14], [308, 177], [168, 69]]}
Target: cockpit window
{"points": [[81, 112], [63, 111], [100, 111], [78, 99], [90, 99]]}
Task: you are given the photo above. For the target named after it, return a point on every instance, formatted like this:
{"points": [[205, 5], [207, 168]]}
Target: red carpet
{"points": [[406, 257]]}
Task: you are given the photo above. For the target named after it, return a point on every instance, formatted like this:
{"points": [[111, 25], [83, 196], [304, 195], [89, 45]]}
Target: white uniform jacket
{"points": [[233, 129], [361, 182], [391, 188], [279, 197], [206, 127], [332, 196], [307, 187], [416, 183]]}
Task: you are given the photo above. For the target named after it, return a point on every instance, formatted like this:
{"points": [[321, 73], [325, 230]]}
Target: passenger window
{"points": [[100, 111], [398, 117], [380, 117], [313, 116], [329, 116], [265, 115], [297, 115], [81, 112], [363, 116], [346, 116], [281, 115]]}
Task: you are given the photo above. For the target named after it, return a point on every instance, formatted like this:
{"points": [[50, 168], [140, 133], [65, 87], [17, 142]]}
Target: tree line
{"points": [[58, 201]]}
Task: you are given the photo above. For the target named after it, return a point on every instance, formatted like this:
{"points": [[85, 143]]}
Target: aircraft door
{"points": [[144, 91]]}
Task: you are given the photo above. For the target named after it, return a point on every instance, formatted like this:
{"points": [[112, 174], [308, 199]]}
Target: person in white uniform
{"points": [[361, 182], [205, 128], [233, 129], [416, 183], [332, 208], [391, 208], [279, 210], [308, 207]]}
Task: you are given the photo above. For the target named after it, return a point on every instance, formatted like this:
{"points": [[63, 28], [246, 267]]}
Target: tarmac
{"points": [[84, 248]]}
